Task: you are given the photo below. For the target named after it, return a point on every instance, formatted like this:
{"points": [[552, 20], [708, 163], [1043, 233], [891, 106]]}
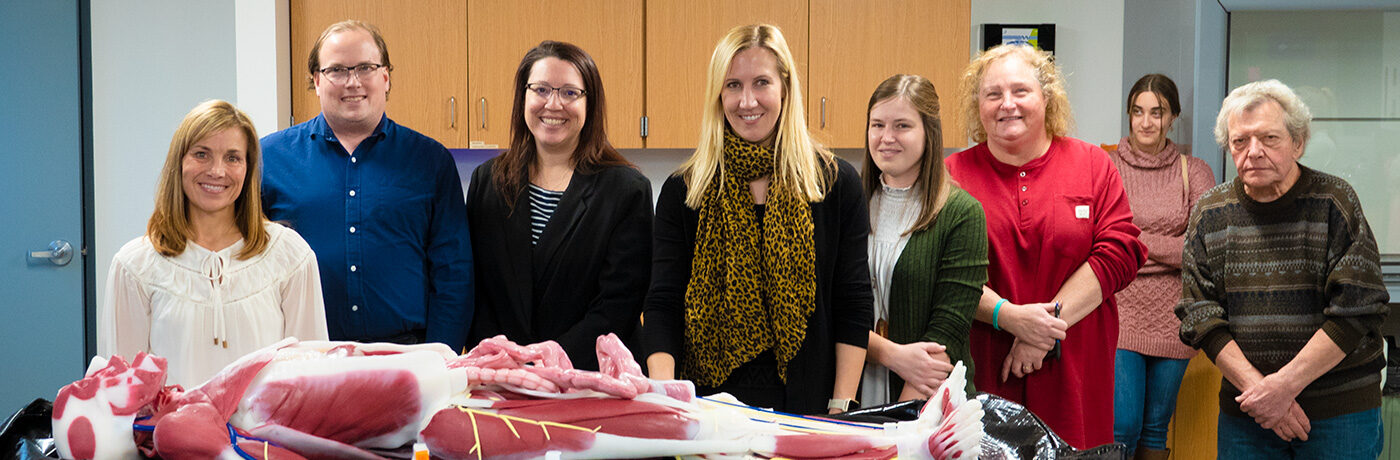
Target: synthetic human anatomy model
{"points": [[501, 400]]}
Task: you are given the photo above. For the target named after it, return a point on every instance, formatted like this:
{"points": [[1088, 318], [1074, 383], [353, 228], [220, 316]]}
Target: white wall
{"points": [[152, 61], [264, 93], [1088, 47], [1159, 37]]}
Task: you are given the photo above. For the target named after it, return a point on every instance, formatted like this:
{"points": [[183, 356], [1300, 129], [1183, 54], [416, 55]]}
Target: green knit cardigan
{"points": [[937, 282]]}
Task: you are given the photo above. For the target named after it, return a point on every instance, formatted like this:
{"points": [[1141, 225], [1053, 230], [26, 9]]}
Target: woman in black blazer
{"points": [[560, 222]]}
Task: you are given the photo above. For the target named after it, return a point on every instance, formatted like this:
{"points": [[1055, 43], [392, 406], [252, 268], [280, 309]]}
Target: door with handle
{"points": [[41, 197]]}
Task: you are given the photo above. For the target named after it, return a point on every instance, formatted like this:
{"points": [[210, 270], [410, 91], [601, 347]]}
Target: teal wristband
{"points": [[996, 311]]}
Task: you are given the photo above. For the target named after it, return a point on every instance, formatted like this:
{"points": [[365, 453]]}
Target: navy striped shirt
{"points": [[542, 205]]}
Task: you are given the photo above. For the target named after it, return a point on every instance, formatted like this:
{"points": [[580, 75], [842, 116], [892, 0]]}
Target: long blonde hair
{"points": [[933, 180], [169, 226], [801, 164]]}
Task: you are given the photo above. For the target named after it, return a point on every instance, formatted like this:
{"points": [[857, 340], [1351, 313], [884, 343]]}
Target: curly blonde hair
{"points": [[1059, 120]]}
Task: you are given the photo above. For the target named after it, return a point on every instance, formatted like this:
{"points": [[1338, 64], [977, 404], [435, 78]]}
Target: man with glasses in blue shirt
{"points": [[380, 204]]}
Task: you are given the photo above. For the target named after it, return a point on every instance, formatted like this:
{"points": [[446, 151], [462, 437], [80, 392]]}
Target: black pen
{"points": [[1055, 352]]}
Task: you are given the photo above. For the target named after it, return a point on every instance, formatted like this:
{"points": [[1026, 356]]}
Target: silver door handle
{"points": [[483, 113], [452, 112], [59, 253], [823, 113]]}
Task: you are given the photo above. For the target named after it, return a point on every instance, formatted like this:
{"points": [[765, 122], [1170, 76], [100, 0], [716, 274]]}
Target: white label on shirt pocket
{"points": [[1081, 211]]}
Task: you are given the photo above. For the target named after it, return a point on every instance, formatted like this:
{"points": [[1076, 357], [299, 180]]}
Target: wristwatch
{"points": [[842, 405]]}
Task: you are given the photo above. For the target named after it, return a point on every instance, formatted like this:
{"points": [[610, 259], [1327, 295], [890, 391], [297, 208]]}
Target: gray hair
{"points": [[1296, 116]]}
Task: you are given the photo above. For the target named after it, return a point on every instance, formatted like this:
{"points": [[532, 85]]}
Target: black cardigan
{"points": [[844, 299], [586, 277]]}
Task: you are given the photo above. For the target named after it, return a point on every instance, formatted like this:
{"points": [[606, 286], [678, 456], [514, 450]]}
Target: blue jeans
{"points": [[1144, 398], [1357, 435]]}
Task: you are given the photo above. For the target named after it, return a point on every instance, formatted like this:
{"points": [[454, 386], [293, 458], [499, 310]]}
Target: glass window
{"points": [[1346, 66]]}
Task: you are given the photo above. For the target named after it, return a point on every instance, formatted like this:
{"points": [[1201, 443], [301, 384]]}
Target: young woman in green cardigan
{"points": [[927, 251]]}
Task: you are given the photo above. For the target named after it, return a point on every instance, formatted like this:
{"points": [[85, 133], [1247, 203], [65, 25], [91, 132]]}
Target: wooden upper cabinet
{"points": [[427, 45], [864, 42], [681, 36], [501, 31]]}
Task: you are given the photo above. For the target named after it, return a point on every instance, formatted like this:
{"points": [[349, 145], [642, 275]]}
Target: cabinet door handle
{"points": [[483, 113], [452, 112], [823, 113]]}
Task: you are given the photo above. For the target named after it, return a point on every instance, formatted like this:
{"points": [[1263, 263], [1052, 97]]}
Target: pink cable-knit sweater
{"points": [[1146, 323]]}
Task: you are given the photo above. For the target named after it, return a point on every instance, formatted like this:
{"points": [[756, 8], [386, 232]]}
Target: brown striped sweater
{"points": [[1270, 275]]}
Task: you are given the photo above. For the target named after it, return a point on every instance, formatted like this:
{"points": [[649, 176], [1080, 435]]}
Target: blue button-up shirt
{"points": [[387, 222]]}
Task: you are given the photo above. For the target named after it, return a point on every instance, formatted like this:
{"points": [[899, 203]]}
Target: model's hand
{"points": [[1022, 360], [1034, 324], [919, 365]]}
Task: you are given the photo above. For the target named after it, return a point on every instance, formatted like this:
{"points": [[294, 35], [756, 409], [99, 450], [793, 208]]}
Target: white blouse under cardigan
{"points": [[893, 211], [202, 309]]}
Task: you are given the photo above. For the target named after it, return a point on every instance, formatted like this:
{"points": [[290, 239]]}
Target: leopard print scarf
{"points": [[751, 289]]}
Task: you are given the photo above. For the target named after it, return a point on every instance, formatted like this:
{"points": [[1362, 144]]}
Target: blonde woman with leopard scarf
{"points": [[760, 286]]}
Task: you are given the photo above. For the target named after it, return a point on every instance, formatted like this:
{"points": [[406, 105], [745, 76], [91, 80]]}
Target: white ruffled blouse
{"points": [[203, 309], [892, 212]]}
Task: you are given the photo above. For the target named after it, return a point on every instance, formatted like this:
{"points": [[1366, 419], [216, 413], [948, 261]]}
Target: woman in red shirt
{"points": [[1060, 239]]}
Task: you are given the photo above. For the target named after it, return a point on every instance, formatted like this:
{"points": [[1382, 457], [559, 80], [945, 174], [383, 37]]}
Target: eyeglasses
{"points": [[341, 75], [567, 94]]}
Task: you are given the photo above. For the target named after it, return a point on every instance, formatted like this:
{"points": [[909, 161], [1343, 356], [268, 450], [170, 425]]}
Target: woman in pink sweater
{"points": [[1163, 182]]}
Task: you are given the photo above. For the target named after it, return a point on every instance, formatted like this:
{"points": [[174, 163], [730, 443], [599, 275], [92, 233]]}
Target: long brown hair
{"points": [[512, 168], [1159, 85], [933, 181], [169, 226]]}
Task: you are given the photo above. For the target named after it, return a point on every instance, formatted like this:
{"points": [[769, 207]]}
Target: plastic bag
{"points": [[1012, 432], [28, 434]]}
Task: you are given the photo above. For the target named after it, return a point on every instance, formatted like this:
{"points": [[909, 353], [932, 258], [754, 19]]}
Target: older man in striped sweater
{"points": [[1282, 289]]}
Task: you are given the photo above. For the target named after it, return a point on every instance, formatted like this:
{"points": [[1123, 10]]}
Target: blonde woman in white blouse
{"points": [[212, 279]]}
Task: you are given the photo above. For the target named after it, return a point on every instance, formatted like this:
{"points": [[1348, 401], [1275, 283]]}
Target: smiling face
{"points": [[895, 137], [359, 102], [212, 172], [1150, 120], [554, 122], [1011, 103], [753, 94], [1265, 154]]}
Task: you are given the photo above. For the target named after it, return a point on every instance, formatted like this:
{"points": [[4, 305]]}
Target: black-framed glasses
{"points": [[341, 75], [566, 94]]}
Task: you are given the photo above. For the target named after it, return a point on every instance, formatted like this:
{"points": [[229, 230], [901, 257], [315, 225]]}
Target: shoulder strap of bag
{"points": [[1185, 183]]}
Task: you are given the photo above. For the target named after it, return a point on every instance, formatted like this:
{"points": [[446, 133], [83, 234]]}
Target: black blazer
{"points": [[587, 276]]}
